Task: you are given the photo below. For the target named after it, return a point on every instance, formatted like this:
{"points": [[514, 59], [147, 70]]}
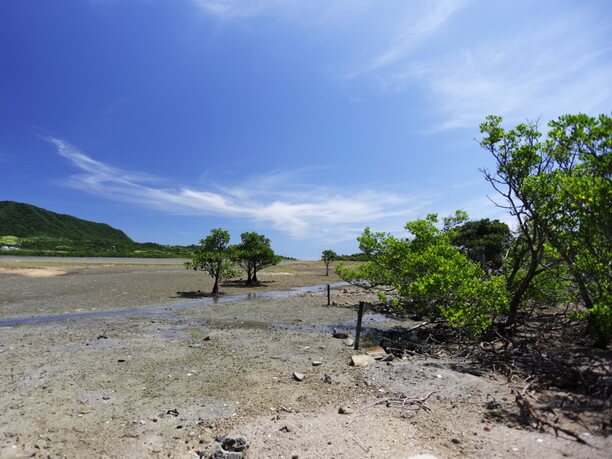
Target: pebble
{"points": [[345, 410], [40, 444], [316, 363], [298, 376]]}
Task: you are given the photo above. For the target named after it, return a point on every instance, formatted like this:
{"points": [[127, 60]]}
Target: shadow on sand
{"points": [[196, 294], [243, 284]]}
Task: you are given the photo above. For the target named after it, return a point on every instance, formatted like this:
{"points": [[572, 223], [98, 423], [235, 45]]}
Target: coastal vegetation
{"points": [[221, 260], [480, 277]]}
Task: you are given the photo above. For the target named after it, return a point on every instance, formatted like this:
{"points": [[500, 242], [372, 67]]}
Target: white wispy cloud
{"points": [[550, 62], [420, 28], [301, 211], [543, 75]]}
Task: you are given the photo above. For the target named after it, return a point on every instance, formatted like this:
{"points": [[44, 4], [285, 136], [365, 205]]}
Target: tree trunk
{"points": [[249, 277], [255, 276], [215, 290], [327, 269], [517, 296]]}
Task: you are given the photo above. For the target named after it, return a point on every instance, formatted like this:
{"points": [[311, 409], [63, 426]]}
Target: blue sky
{"points": [[304, 120]]}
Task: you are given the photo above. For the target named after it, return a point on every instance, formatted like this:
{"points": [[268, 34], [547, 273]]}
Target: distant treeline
{"points": [[49, 246], [352, 257]]}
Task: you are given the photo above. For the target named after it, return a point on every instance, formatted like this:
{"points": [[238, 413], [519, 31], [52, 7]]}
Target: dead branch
{"points": [[406, 404], [528, 411]]}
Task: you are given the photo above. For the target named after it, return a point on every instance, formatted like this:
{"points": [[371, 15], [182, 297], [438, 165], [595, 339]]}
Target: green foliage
{"points": [[327, 257], [9, 240], [483, 241], [428, 274], [559, 189], [352, 257], [253, 254], [214, 256]]}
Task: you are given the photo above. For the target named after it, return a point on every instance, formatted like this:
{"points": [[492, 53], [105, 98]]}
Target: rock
{"points": [[229, 447], [286, 428], [40, 444], [120, 360], [316, 363], [345, 410], [327, 379], [362, 360], [102, 337], [348, 342], [298, 376], [377, 352], [207, 338], [340, 335], [173, 412]]}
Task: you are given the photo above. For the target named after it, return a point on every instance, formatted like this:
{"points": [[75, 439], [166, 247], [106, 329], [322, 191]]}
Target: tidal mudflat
{"points": [[164, 381]]}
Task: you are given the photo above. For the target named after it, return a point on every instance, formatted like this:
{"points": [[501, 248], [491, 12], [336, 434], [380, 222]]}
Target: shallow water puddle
{"points": [[271, 294]]}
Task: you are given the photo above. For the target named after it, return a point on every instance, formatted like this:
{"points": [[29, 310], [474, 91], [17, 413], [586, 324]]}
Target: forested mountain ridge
{"points": [[29, 230], [25, 220]]}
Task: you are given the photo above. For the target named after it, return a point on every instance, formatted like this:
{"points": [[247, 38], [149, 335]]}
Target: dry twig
{"points": [[529, 411]]}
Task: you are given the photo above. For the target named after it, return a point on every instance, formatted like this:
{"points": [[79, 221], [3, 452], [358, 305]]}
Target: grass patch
{"points": [[9, 240]]}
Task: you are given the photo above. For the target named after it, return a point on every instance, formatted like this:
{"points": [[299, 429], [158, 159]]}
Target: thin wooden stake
{"points": [[328, 295], [358, 330]]}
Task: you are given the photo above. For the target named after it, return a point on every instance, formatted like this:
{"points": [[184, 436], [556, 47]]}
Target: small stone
{"points": [[286, 428], [316, 363], [340, 335], [102, 337], [40, 444], [362, 360], [345, 410], [327, 379], [232, 443], [348, 342], [298, 376]]}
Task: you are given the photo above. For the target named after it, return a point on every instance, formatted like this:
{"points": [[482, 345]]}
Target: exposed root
{"points": [[529, 411]]}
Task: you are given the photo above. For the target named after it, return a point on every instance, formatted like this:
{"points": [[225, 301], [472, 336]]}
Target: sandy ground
{"points": [[164, 384]]}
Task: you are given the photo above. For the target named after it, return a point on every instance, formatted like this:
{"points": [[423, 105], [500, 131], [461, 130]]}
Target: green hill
{"points": [[25, 220], [30, 230]]}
